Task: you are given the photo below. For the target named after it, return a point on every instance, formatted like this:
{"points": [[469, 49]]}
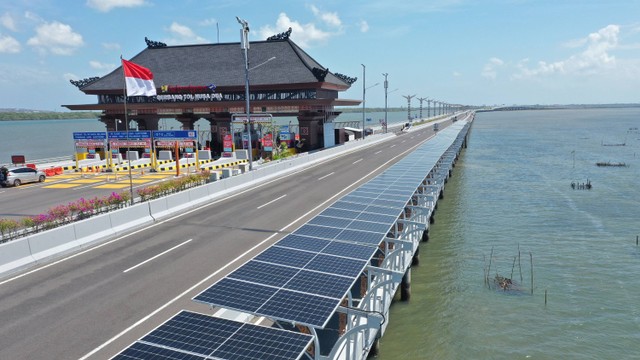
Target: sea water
{"points": [[45, 139], [510, 203]]}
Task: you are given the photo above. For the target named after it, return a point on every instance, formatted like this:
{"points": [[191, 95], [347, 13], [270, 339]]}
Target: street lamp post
{"points": [[364, 91], [386, 86], [244, 45], [421, 100]]}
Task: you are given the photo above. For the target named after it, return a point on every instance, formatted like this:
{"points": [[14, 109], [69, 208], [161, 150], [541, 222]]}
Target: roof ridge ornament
{"points": [[282, 36], [348, 79], [84, 82], [154, 44], [319, 73]]}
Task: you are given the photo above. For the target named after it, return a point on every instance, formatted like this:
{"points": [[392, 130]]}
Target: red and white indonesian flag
{"points": [[138, 79]]}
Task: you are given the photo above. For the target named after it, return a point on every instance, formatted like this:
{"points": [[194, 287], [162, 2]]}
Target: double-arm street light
{"points": [[244, 45], [364, 94]]}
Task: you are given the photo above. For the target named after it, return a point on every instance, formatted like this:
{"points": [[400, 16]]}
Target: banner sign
{"points": [[89, 143], [182, 144], [227, 143], [135, 143], [90, 135], [255, 119], [267, 142], [178, 134], [129, 134]]}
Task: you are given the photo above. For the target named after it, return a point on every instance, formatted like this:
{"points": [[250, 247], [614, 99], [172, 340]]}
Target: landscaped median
{"points": [[85, 208]]}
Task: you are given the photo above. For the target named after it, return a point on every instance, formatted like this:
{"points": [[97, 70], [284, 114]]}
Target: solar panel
{"points": [[340, 213], [140, 351], [345, 205], [264, 273], [318, 231], [302, 308], [362, 237], [369, 226], [383, 210], [382, 219], [235, 294], [330, 221], [300, 242], [320, 284], [192, 336], [337, 265], [285, 256], [355, 251]]}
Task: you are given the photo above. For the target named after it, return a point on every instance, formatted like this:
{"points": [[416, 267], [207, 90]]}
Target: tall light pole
{"points": [[421, 100], [408, 97], [244, 45], [386, 86], [429, 108], [364, 91], [364, 95]]}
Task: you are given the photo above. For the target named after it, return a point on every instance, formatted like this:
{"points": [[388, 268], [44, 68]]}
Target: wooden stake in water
{"points": [[531, 259], [489, 268], [519, 264], [545, 297]]}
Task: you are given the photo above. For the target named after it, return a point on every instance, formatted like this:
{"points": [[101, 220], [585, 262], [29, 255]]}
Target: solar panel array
{"points": [[193, 336], [303, 277]]}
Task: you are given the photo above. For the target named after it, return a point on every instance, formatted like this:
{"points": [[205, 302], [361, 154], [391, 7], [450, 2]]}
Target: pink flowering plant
{"points": [[85, 208]]}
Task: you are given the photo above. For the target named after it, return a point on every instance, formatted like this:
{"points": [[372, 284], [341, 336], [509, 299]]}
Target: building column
{"points": [[147, 122], [220, 126], [187, 121], [311, 128]]}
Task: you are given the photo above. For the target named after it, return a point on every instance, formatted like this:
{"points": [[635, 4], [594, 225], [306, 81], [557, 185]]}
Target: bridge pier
{"points": [[425, 235], [405, 286], [415, 261]]}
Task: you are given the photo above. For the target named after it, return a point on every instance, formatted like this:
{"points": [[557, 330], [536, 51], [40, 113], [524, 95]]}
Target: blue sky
{"points": [[457, 51]]}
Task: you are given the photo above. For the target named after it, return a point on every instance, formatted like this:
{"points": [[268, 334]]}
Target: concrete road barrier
{"points": [[15, 255], [53, 242], [93, 229], [130, 217]]}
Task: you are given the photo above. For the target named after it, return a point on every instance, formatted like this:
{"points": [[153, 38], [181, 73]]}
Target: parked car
{"points": [[17, 176]]}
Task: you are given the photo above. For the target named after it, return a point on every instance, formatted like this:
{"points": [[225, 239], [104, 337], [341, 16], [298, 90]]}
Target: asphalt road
{"points": [[99, 301]]}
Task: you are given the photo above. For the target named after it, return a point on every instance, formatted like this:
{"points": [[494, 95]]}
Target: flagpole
{"points": [[126, 120]]}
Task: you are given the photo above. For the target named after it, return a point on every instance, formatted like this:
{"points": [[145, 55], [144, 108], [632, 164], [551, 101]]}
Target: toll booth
{"points": [[178, 144], [130, 145], [257, 127], [90, 146]]}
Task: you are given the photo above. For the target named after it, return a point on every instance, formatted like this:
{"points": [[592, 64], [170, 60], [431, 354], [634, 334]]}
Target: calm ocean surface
{"points": [[510, 188], [43, 139]]}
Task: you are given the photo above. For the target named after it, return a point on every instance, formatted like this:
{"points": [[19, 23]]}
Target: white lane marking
{"points": [[357, 161], [377, 152], [157, 256], [326, 176], [392, 145], [404, 140], [271, 202], [123, 332]]}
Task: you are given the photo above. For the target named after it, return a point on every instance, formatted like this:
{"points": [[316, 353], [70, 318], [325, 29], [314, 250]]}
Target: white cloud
{"points": [[330, 18], [101, 66], [208, 22], [593, 59], [183, 35], [305, 35], [9, 45], [57, 38], [8, 22], [111, 46], [364, 26], [489, 71], [108, 5]]}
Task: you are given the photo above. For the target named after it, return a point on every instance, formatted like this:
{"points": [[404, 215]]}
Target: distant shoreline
{"points": [[25, 115], [44, 115]]}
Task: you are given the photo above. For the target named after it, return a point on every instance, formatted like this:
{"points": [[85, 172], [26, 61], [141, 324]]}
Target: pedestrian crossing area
{"points": [[102, 180]]}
